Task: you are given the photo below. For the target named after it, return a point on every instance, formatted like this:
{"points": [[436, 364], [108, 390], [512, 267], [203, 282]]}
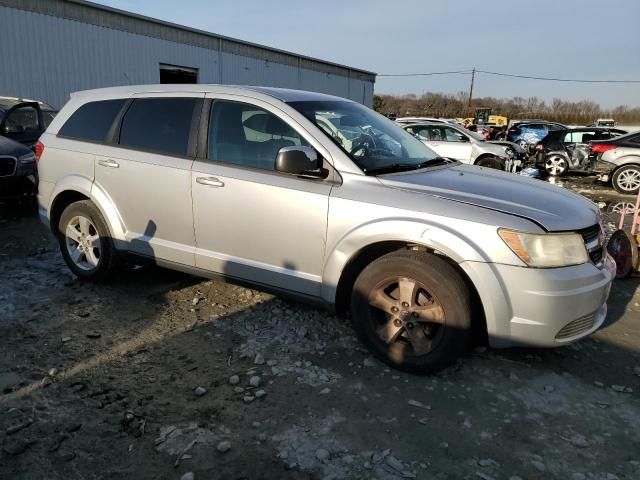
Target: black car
{"points": [[21, 124], [564, 150]]}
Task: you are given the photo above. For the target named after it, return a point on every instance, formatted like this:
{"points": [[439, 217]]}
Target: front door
{"points": [[252, 222], [23, 124], [445, 141]]}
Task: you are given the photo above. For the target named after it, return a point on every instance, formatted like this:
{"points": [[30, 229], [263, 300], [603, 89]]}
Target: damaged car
{"points": [[468, 147], [562, 151]]}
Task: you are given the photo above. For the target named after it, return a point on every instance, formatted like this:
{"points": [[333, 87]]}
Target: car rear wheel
{"points": [[491, 162], [627, 179], [85, 242], [556, 165], [413, 310]]}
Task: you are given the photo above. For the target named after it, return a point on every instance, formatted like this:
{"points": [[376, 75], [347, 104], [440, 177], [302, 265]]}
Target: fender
{"points": [[437, 237], [630, 159], [102, 201]]}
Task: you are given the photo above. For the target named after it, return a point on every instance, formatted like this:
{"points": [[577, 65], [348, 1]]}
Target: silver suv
{"points": [[321, 198]]}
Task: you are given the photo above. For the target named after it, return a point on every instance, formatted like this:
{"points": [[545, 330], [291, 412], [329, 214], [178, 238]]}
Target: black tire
{"points": [[491, 162], [622, 179], [103, 251], [444, 288]]}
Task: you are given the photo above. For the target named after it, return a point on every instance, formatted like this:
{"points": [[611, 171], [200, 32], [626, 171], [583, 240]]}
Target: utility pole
{"points": [[473, 76]]}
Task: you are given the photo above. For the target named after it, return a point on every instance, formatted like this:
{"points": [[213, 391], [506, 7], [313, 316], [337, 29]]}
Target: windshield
{"points": [[371, 140]]}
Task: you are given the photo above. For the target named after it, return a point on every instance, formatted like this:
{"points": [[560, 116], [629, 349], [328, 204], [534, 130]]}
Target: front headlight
{"points": [[546, 250]]}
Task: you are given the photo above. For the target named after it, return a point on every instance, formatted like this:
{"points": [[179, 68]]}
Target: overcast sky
{"points": [[584, 39]]}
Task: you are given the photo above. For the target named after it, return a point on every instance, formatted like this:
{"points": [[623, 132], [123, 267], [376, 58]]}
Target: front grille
{"points": [[7, 166], [590, 233], [596, 255], [576, 327]]}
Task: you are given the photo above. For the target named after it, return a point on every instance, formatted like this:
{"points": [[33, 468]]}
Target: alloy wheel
{"points": [[629, 180], [83, 243], [555, 165], [408, 313]]}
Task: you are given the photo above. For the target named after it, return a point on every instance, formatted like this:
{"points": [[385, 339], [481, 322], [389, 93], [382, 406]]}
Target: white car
{"points": [[408, 120], [451, 141]]}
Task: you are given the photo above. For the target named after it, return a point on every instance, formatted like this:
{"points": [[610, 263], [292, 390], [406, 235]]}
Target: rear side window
{"points": [[92, 121], [158, 124]]}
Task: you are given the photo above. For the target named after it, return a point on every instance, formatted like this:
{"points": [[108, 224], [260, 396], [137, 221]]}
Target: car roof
{"points": [[586, 129], [283, 94]]}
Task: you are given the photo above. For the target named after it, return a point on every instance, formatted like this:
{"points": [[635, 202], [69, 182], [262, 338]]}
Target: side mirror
{"points": [[463, 138], [301, 161]]}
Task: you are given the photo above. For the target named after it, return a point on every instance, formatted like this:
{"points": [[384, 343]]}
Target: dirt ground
{"points": [[160, 375]]}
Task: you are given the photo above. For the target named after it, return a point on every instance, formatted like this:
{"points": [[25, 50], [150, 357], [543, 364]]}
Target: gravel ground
{"points": [[160, 375]]}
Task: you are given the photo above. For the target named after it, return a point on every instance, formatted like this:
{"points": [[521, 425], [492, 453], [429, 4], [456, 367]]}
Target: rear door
{"points": [[252, 222], [147, 174]]}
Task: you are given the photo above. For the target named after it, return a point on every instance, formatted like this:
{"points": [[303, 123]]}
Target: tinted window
{"points": [[247, 135], [92, 121], [47, 117], [158, 124], [21, 120], [635, 139]]}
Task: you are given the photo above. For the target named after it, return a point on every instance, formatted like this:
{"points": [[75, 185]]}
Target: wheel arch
{"points": [[371, 252], [68, 192], [482, 156]]}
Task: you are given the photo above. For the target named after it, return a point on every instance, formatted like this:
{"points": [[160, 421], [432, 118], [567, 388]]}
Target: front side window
{"points": [[248, 135], [159, 124], [22, 120], [452, 135], [371, 140], [92, 121]]}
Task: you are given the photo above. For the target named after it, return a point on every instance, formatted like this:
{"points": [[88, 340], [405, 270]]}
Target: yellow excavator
{"points": [[483, 117]]}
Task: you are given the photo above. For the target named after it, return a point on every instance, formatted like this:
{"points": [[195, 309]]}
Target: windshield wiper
{"points": [[402, 167]]}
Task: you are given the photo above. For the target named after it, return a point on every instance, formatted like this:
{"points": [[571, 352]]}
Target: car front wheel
{"points": [[85, 242], [627, 179], [413, 310]]}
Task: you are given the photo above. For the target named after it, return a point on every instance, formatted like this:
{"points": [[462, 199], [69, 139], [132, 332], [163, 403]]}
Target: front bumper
{"points": [[16, 187], [542, 307]]}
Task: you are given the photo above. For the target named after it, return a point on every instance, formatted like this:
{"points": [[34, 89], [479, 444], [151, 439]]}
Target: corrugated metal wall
{"points": [[47, 57]]}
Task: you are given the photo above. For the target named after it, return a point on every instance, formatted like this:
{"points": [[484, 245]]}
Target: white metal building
{"points": [[51, 48]]}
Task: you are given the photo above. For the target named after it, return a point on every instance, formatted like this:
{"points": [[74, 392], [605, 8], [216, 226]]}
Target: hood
{"points": [[554, 208], [13, 148]]}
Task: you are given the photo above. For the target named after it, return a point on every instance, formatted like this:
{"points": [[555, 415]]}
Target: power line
{"points": [[466, 72], [550, 79], [501, 74]]}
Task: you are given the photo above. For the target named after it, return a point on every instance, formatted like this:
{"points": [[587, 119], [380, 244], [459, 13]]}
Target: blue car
{"points": [[530, 133]]}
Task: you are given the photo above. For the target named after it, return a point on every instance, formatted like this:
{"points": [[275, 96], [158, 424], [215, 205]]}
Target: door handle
{"points": [[210, 181], [107, 162]]}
